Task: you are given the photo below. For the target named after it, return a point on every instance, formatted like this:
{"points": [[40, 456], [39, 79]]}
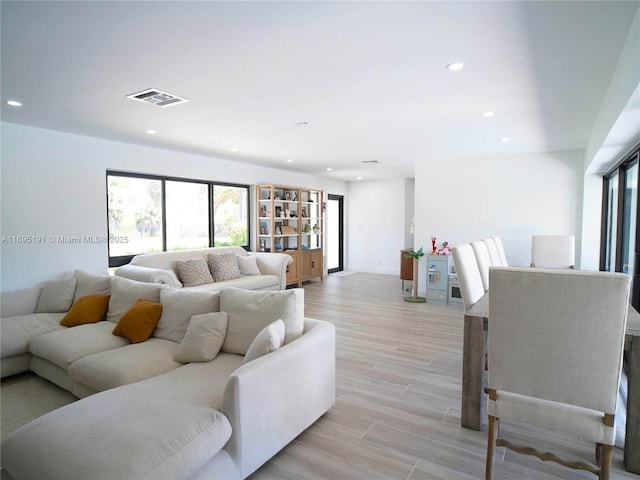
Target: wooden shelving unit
{"points": [[290, 220]]}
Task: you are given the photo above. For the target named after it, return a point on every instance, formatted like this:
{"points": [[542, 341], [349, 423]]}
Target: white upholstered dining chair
{"points": [[501, 252], [555, 344], [553, 251], [483, 259], [494, 254], [469, 278]]}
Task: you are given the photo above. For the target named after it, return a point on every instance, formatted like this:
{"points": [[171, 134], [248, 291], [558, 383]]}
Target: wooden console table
{"points": [[474, 349]]}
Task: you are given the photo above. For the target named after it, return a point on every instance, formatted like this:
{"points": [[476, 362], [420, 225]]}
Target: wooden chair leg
{"points": [[491, 446], [606, 454]]}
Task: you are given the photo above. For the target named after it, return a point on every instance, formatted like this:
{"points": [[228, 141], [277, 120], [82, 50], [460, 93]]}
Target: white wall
{"points": [[511, 197], [409, 212], [376, 224], [54, 184]]}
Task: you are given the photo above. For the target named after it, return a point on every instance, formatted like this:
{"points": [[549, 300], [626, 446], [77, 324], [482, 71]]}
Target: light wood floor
{"points": [[397, 411]]}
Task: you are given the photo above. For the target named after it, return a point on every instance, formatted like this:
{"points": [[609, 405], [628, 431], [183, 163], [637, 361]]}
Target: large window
{"points": [[154, 214], [620, 238]]}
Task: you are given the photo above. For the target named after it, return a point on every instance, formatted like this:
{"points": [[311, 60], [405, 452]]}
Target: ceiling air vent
{"points": [[157, 98], [371, 161]]}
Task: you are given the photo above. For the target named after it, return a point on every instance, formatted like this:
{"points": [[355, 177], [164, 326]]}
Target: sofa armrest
{"points": [[149, 275], [271, 400], [20, 302], [273, 264]]}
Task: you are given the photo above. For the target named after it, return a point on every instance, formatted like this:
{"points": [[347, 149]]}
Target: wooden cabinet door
{"points": [[293, 269], [316, 263], [312, 264]]}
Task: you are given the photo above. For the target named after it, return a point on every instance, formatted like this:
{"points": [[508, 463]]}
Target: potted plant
{"points": [[416, 255]]}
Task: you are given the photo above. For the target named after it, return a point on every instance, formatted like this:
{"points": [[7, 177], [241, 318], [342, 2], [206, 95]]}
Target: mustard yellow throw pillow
{"points": [[139, 322], [87, 309]]}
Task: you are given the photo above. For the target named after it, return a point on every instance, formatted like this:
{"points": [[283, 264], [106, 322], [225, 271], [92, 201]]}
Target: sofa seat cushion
{"points": [[145, 430], [19, 330], [202, 382], [248, 282], [125, 365], [64, 347]]}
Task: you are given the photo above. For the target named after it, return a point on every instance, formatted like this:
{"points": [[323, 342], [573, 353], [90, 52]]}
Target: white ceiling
{"points": [[368, 77]]}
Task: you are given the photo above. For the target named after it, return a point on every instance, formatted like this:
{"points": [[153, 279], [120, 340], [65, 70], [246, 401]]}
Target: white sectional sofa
{"points": [[256, 270], [155, 409]]}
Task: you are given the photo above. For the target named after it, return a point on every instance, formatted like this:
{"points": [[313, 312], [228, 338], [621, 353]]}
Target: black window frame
{"points": [[621, 169], [117, 261]]}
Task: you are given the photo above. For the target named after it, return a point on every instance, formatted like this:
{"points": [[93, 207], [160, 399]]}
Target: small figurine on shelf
{"points": [[433, 245], [307, 228], [445, 249], [316, 228]]}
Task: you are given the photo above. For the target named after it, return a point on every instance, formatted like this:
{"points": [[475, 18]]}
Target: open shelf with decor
{"points": [[290, 220]]}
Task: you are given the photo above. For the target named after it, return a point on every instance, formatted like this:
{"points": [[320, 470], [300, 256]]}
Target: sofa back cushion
{"points": [[125, 292], [178, 306], [56, 296], [90, 284], [250, 311], [165, 260]]}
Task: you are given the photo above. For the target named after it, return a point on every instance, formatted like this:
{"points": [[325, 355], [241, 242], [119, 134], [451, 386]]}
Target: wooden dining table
{"points": [[476, 321]]}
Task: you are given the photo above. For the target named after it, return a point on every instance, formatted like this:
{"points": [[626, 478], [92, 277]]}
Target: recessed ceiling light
{"points": [[289, 160], [151, 132], [488, 114], [454, 67], [359, 178], [505, 139], [329, 169], [14, 103], [234, 149]]}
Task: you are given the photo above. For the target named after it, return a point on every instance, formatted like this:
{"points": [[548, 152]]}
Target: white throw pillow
{"points": [[250, 311], [248, 265], [125, 292], [178, 306], [268, 340], [90, 284], [223, 266], [56, 296], [204, 338], [193, 272]]}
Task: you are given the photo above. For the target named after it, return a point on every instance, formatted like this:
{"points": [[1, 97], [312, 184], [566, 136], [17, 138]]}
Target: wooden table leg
{"points": [[632, 435], [472, 372]]}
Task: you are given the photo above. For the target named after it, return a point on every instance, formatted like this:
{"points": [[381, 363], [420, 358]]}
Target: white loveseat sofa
{"points": [[256, 270], [142, 413]]}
